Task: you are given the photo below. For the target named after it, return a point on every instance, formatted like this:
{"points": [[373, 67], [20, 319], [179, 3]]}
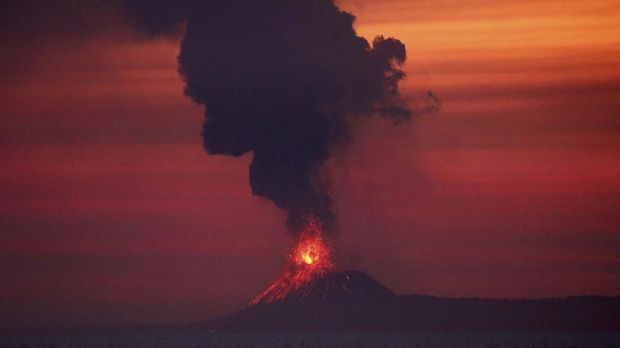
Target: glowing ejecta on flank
{"points": [[309, 259]]}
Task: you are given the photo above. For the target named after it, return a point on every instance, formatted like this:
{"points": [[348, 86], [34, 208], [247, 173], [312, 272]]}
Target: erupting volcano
{"points": [[289, 90], [309, 259], [287, 81]]}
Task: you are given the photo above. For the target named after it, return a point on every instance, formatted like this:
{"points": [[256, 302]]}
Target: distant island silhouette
{"points": [[352, 301]]}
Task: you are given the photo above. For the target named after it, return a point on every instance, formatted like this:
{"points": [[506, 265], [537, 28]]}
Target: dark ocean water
{"points": [[486, 340]]}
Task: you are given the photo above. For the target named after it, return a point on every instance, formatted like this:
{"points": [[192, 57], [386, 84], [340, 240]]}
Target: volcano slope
{"points": [[352, 301]]}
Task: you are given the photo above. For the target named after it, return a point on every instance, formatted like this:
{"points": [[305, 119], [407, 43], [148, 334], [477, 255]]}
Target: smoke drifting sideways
{"points": [[284, 79]]}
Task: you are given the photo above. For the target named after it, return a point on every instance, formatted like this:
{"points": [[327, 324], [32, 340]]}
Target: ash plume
{"points": [[283, 79]]}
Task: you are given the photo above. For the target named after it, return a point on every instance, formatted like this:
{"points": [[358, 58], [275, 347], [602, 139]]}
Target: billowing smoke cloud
{"points": [[283, 79]]}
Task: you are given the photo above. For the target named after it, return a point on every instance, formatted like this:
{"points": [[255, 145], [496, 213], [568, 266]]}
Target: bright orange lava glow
{"points": [[310, 250], [309, 258]]}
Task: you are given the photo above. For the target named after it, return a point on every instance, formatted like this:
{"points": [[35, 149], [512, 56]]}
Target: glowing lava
{"points": [[309, 258], [310, 251]]}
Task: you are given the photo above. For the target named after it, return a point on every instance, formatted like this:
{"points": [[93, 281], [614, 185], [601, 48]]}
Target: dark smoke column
{"points": [[284, 79]]}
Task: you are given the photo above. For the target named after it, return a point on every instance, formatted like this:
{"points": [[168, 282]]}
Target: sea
{"points": [[332, 340]]}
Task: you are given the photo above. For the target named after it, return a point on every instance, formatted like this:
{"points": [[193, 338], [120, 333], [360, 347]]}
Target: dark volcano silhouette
{"points": [[333, 286], [352, 301], [343, 287]]}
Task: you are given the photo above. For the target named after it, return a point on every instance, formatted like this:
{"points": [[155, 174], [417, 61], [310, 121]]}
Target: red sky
{"points": [[112, 213]]}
